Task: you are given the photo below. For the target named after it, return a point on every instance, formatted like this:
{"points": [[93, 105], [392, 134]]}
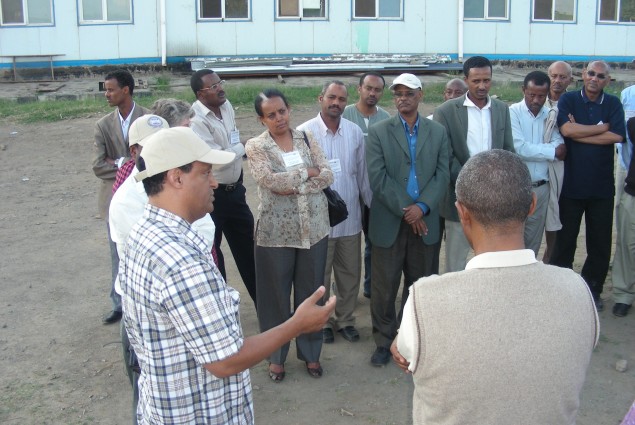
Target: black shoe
{"points": [[327, 336], [349, 333], [380, 357], [113, 317], [367, 294], [599, 304], [621, 310]]}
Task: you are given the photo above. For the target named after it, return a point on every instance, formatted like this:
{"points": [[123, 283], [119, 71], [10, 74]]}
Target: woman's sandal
{"points": [[315, 372], [276, 376]]}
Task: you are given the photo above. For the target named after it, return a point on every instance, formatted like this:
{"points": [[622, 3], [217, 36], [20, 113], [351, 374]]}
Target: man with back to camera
{"points": [[561, 76], [475, 123], [343, 144], [407, 159], [214, 122], [110, 152], [365, 113], [465, 336], [538, 145], [591, 122], [181, 317]]}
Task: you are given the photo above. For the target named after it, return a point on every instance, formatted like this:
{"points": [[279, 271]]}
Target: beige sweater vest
{"points": [[502, 346]]}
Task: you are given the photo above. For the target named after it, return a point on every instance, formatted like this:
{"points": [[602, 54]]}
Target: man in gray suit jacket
{"points": [[110, 151], [475, 123], [407, 160]]}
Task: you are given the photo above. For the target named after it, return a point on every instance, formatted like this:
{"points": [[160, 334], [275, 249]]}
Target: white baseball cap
{"points": [[143, 127], [174, 147], [408, 80]]}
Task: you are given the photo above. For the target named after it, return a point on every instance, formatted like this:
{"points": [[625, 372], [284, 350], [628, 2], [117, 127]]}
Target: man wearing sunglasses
{"points": [[591, 122], [214, 122]]}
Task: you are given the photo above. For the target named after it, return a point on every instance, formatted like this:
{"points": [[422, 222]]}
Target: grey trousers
{"points": [[408, 255], [535, 223], [278, 270], [457, 247], [624, 259]]}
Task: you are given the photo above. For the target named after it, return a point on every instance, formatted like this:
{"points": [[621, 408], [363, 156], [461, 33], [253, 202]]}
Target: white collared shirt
{"points": [[479, 126], [347, 147], [125, 123]]}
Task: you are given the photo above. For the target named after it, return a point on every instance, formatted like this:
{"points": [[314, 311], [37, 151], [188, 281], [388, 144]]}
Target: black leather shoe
{"points": [[349, 333], [621, 310], [327, 336], [366, 294], [599, 304], [113, 317], [380, 357]]}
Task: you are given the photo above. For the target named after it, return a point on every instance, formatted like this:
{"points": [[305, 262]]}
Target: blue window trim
{"points": [[46, 25], [277, 18], [598, 22], [379, 18], [103, 22], [485, 19], [552, 21], [216, 20]]}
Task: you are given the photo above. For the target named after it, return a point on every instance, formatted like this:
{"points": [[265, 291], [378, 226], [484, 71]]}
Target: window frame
{"points": [[618, 7], [377, 17], [553, 11], [223, 18], [25, 17], [487, 18], [301, 11], [104, 9]]}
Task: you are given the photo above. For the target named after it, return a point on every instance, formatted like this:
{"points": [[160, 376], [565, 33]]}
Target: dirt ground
{"points": [[60, 365]]}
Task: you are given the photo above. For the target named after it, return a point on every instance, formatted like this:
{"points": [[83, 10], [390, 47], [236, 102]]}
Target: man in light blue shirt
{"points": [[537, 146]]}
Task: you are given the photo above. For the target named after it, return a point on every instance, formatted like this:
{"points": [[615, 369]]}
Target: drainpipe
{"points": [[460, 29], [164, 42]]}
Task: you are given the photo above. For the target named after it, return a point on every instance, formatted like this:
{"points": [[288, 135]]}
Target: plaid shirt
{"points": [[180, 315], [122, 174]]}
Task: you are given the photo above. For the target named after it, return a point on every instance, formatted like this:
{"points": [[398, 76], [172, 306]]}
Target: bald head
{"points": [[560, 76], [454, 88]]}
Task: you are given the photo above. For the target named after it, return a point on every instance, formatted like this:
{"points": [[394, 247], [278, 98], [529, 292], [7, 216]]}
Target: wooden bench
{"points": [[48, 57]]}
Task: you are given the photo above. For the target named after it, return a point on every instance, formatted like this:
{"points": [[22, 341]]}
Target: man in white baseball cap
{"points": [[182, 319]]}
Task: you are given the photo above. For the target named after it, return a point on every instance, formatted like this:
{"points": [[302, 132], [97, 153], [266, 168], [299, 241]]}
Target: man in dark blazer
{"points": [[407, 160], [110, 151], [475, 123]]}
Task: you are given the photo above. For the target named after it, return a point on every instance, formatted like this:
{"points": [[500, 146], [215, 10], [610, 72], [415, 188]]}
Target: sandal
{"points": [[276, 376], [315, 372]]}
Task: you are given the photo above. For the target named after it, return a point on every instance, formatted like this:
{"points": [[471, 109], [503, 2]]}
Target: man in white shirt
{"points": [[343, 144], [475, 123], [365, 113], [214, 122], [495, 343], [538, 146]]}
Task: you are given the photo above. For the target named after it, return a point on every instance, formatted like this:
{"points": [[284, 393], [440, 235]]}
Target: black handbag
{"points": [[337, 207]]}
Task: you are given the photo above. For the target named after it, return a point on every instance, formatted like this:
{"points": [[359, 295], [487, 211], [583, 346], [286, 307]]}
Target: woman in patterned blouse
{"points": [[292, 226]]}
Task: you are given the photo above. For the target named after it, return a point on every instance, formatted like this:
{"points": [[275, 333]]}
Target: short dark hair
{"points": [[495, 187], [123, 77], [196, 81], [267, 94], [154, 185], [475, 62], [328, 84], [539, 79], [371, 74]]}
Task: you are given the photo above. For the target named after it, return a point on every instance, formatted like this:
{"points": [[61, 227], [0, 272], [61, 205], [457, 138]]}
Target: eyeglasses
{"points": [[595, 74], [215, 87], [407, 94]]}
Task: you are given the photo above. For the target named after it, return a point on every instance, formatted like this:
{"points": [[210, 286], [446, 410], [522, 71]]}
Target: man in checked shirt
{"points": [[182, 319]]}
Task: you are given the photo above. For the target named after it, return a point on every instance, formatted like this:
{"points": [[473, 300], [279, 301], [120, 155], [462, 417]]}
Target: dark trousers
{"points": [[408, 255], [598, 218], [367, 249], [233, 218], [279, 271]]}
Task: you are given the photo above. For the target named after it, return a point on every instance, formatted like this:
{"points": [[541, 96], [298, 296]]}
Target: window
{"points": [[554, 10], [302, 9], [105, 11], [617, 11], [224, 9], [486, 9], [26, 12], [373, 9]]}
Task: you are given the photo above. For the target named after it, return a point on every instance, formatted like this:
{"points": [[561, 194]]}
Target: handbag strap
{"points": [[306, 140]]}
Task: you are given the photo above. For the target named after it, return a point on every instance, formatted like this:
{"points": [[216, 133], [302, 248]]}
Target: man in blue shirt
{"points": [[591, 122]]}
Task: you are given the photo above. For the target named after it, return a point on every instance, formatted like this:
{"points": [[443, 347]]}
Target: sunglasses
{"points": [[592, 74]]}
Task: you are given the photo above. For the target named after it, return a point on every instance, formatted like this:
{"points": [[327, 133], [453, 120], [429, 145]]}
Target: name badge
{"points": [[291, 159], [335, 165], [234, 137]]}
